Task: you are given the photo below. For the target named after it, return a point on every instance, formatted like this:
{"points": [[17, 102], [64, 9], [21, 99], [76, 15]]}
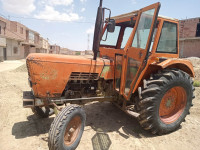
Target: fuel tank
{"points": [[50, 73]]}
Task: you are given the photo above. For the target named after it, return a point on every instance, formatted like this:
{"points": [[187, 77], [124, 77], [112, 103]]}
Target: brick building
{"points": [[54, 49], [66, 51], [44, 45], [189, 33], [32, 43], [88, 52], [17, 41], [12, 34]]}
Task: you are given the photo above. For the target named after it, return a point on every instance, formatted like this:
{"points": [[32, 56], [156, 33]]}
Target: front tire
{"points": [[67, 128], [166, 100]]}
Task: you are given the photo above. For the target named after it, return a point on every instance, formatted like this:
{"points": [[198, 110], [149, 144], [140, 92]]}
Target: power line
{"points": [[52, 20], [88, 42], [37, 19], [20, 37], [16, 33]]}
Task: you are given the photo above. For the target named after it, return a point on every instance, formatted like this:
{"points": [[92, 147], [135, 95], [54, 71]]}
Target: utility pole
{"points": [[88, 42]]}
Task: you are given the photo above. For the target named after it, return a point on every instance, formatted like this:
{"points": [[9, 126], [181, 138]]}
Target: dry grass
{"points": [[196, 83]]}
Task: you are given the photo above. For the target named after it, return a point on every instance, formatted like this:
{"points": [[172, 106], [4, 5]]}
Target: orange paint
{"points": [[49, 73], [172, 104], [154, 62]]}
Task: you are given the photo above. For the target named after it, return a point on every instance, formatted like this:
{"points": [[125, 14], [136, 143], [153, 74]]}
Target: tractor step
{"points": [[127, 110], [28, 99]]}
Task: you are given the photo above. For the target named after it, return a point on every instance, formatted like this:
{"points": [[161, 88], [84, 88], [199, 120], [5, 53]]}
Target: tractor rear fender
{"points": [[182, 64], [153, 67]]}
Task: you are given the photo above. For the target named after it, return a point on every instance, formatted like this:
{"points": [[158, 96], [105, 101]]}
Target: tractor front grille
{"points": [[83, 76]]}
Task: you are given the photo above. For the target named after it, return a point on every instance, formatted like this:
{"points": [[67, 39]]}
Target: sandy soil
{"points": [[107, 127], [11, 64]]}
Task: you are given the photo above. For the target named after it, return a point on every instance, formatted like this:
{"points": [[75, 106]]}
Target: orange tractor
{"points": [[136, 66]]}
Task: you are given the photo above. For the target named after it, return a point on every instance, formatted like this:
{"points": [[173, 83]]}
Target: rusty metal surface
{"points": [[28, 99], [182, 64], [72, 130], [108, 72], [90, 99], [49, 73], [127, 111], [83, 76]]}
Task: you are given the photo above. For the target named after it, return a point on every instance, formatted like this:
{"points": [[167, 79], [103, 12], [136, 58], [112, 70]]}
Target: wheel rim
{"points": [[172, 104], [72, 130]]}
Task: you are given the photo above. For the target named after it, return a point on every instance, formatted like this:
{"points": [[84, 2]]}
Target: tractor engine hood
{"points": [[50, 73]]}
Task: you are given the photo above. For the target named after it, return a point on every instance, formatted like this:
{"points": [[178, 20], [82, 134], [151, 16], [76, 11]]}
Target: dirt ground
{"points": [[107, 127]]}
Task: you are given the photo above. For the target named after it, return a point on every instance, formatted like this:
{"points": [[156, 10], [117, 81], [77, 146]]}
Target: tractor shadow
{"points": [[101, 117], [33, 127], [104, 118]]}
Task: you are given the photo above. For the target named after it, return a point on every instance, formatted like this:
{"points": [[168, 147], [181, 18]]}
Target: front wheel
{"points": [[67, 128], [166, 100]]}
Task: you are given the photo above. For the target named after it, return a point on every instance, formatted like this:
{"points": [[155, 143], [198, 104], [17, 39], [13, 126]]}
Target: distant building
{"points": [[54, 49], [88, 52], [189, 32], [17, 41], [31, 44], [13, 33], [65, 51], [79, 53], [44, 45]]}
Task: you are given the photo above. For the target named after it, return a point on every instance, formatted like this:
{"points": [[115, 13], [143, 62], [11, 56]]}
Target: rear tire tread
{"points": [[149, 93]]}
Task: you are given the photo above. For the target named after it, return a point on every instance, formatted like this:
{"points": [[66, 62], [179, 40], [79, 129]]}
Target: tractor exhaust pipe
{"points": [[98, 30]]}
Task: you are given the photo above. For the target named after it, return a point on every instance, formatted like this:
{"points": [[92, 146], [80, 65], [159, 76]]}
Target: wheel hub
{"points": [[172, 104], [72, 130], [169, 103]]}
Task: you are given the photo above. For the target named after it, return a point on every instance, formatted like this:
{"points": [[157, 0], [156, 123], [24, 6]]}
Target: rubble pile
{"points": [[196, 64]]}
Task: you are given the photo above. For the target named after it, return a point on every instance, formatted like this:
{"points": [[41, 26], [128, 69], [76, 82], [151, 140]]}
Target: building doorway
{"points": [[198, 30], [26, 50], [4, 54]]}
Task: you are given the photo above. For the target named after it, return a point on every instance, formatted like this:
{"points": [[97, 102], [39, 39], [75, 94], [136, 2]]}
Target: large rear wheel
{"points": [[166, 100]]}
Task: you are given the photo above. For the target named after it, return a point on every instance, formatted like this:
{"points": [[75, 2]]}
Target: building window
{"points": [[15, 50], [21, 30], [198, 30], [31, 37]]}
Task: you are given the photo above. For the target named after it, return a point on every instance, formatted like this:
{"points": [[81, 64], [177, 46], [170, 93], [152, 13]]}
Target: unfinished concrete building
{"points": [[189, 37], [54, 49]]}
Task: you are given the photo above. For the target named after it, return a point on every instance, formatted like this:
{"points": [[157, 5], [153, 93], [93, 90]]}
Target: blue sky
{"points": [[68, 22]]}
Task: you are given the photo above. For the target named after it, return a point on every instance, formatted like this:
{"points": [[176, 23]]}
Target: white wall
{"points": [[2, 45], [1, 54], [2, 42], [11, 44]]}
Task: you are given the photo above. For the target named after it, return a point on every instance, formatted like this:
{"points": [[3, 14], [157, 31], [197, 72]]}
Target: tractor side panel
{"points": [[49, 79]]}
